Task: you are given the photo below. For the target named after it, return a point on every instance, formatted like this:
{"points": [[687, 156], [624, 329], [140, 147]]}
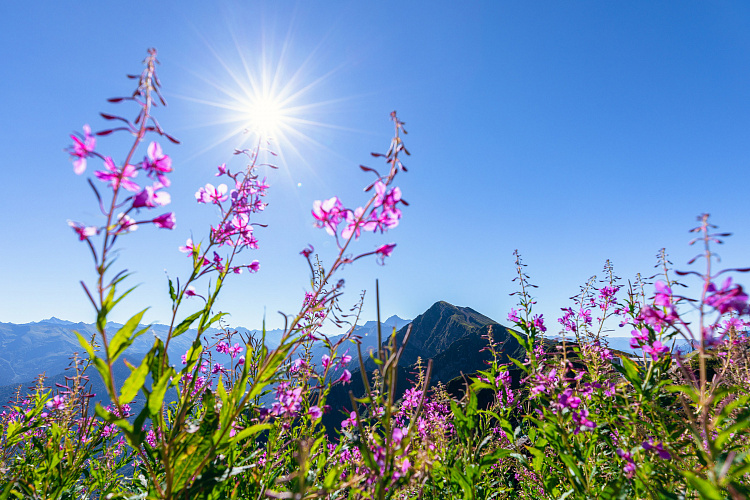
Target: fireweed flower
{"points": [[727, 298], [314, 413], [350, 422], [152, 196], [117, 177], [165, 221], [83, 232], [655, 350], [328, 214], [384, 251], [188, 248], [345, 377], [126, 223], [82, 149], [156, 163], [56, 403], [663, 294], [650, 444]]}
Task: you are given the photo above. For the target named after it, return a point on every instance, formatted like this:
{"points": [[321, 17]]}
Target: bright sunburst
{"points": [[260, 94]]}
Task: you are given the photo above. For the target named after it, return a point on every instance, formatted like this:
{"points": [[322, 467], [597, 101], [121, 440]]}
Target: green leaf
{"points": [[134, 382], [250, 431], [172, 293], [185, 324], [124, 336], [156, 398], [704, 487], [85, 344]]}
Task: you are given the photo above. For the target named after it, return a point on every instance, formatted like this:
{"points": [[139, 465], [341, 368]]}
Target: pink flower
{"points": [[211, 194], [254, 266], [307, 251], [325, 361], [165, 221], [350, 422], [345, 377], [234, 351], [655, 350], [314, 413], [126, 223], [157, 163], [223, 170], [188, 248], [82, 149], [727, 298], [222, 347], [151, 197], [83, 232], [663, 294], [116, 177], [57, 403], [328, 214], [384, 251], [190, 291], [357, 222]]}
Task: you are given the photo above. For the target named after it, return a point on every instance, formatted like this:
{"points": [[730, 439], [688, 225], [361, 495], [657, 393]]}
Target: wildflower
{"points": [[222, 347], [152, 196], [82, 149], [157, 163], [83, 232], [655, 350], [350, 422], [650, 444], [126, 223], [307, 251], [513, 316], [727, 298], [384, 251], [56, 403], [211, 194], [117, 177], [188, 248], [328, 214], [234, 351], [345, 377], [663, 294], [165, 221], [325, 361], [314, 413]]}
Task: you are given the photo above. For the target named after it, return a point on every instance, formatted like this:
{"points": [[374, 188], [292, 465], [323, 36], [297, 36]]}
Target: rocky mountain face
{"points": [[455, 339]]}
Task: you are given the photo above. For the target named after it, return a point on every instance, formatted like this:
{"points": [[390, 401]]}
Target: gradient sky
{"points": [[573, 131]]}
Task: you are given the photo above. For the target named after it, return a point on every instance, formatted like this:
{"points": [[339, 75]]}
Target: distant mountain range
{"points": [[453, 337], [47, 346]]}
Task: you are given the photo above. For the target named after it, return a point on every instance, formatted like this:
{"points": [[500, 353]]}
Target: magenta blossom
{"points": [[56, 403], [345, 377], [384, 251], [82, 149], [188, 248], [83, 232], [350, 422], [117, 177], [165, 221], [157, 163], [152, 196], [328, 214], [211, 194], [315, 413], [655, 350]]}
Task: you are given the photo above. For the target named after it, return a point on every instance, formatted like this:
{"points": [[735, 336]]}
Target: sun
{"points": [[265, 115]]}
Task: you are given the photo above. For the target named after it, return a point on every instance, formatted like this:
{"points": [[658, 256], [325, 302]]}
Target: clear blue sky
{"points": [[573, 131]]}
